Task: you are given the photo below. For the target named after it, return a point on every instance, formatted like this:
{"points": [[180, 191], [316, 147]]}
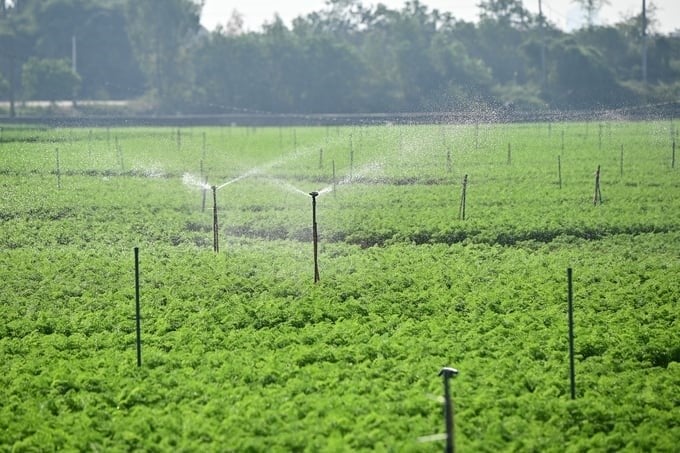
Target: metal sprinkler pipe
{"points": [[315, 236], [448, 373], [216, 235]]}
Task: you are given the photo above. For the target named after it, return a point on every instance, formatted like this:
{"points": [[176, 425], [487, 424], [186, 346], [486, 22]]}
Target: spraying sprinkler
{"points": [[448, 373], [315, 236], [216, 236]]}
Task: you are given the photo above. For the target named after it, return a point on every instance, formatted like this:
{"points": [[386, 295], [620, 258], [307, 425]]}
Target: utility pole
{"points": [[644, 41], [541, 21], [74, 65]]}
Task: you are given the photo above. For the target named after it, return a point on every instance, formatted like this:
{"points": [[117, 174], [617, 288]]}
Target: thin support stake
{"points": [[461, 211], [58, 169], [334, 180], [570, 300], [559, 171], [137, 310], [597, 198]]}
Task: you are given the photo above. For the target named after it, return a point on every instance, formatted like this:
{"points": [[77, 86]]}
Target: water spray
{"points": [[315, 236], [216, 235]]}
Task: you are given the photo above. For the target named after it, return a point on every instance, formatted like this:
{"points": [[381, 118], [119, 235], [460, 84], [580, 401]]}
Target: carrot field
{"points": [[242, 351]]}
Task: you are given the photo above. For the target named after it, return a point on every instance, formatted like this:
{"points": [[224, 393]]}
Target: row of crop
{"points": [[250, 354]]}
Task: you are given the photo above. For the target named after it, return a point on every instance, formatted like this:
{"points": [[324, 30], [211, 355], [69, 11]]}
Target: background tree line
{"points": [[344, 58]]}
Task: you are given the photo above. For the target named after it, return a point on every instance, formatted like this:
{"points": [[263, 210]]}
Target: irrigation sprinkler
{"points": [[570, 303], [137, 310], [315, 236], [216, 235], [597, 198], [448, 373]]}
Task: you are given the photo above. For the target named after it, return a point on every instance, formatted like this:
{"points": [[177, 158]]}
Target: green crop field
{"points": [[242, 351]]}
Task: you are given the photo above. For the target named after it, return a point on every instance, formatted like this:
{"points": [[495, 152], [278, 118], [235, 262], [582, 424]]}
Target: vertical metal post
{"points": [[137, 310], [351, 157], [461, 211], [447, 374], [597, 198], [570, 300], [58, 170], [315, 236], [559, 170], [334, 180], [216, 229]]}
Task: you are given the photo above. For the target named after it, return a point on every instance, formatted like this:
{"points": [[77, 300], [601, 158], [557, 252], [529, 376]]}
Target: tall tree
{"points": [[161, 32]]}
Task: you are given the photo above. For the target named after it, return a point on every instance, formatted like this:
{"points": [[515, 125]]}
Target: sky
{"points": [[563, 13]]}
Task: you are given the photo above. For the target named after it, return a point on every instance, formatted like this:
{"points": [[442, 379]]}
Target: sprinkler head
{"points": [[314, 194], [448, 372]]}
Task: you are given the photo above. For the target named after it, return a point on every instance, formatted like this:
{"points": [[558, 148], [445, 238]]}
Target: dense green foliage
{"points": [[347, 57], [242, 352]]}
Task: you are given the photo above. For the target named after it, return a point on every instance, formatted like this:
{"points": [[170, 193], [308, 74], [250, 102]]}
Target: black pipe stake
{"points": [[320, 158], [570, 300], [461, 211], [137, 310], [216, 235], [334, 180], [315, 236], [58, 170], [509, 154], [448, 373], [597, 198], [559, 170]]}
